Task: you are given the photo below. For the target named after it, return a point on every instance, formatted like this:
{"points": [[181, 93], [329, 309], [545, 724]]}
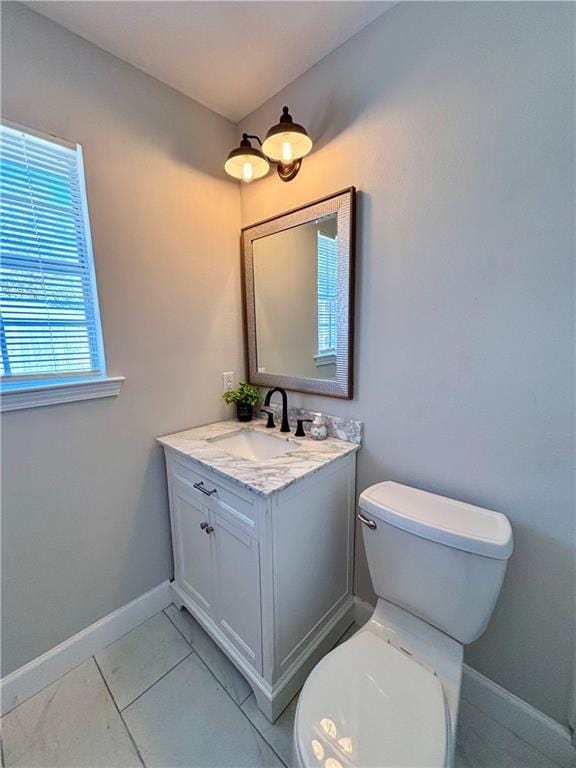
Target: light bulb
{"points": [[286, 151], [247, 172]]}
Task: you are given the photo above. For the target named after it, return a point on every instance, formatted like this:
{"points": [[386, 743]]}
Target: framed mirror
{"points": [[298, 276]]}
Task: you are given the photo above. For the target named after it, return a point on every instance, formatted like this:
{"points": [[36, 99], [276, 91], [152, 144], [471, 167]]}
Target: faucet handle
{"points": [[300, 428], [270, 423]]}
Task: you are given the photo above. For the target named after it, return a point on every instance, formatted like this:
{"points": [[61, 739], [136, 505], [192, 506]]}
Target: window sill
{"points": [[36, 395], [325, 358]]}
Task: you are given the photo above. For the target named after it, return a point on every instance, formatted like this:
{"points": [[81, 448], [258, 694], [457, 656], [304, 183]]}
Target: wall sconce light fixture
{"points": [[285, 145]]}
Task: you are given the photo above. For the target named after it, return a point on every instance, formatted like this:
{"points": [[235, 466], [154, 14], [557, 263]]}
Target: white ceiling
{"points": [[229, 56]]}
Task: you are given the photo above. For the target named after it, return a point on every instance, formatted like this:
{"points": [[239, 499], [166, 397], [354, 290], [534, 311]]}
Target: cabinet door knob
{"points": [[209, 528], [204, 525]]}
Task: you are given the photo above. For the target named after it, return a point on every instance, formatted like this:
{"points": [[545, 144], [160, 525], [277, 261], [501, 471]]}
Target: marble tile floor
{"points": [[164, 695]]}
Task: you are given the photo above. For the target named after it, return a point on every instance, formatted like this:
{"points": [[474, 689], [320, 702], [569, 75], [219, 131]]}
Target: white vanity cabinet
{"points": [[268, 576]]}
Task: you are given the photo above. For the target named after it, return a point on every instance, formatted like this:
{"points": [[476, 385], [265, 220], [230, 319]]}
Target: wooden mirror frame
{"points": [[343, 204]]}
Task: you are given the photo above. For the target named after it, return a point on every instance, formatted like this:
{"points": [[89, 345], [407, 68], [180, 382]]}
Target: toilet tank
{"points": [[439, 559]]}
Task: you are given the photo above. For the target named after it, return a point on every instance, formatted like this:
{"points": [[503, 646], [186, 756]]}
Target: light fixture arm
{"points": [[252, 136], [248, 136]]}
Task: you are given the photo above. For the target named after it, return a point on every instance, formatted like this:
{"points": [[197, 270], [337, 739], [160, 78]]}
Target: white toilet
{"points": [[388, 697]]}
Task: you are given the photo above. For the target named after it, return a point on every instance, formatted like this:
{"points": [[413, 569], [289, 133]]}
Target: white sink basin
{"points": [[254, 445]]}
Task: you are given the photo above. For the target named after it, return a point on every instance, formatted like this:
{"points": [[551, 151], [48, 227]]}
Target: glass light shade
{"points": [[287, 141], [246, 163]]}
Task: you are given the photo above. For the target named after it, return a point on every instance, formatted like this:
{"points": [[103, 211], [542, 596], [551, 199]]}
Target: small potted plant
{"points": [[244, 398]]}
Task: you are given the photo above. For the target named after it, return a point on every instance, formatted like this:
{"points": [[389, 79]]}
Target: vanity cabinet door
{"points": [[238, 588], [193, 547]]}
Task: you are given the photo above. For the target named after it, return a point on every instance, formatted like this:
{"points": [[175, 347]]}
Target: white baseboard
{"points": [[525, 721], [37, 674]]}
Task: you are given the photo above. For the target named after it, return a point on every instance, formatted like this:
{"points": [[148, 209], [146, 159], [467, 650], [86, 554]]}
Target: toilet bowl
{"points": [[388, 697]]}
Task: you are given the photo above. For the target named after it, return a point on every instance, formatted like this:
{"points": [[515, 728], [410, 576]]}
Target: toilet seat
{"points": [[369, 703]]}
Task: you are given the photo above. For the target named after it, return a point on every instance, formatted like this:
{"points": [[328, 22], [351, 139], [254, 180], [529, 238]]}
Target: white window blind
{"points": [[49, 318], [327, 293]]}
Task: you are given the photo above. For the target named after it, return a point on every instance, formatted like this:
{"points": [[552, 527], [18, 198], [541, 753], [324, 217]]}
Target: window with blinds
{"points": [[327, 293], [49, 319]]}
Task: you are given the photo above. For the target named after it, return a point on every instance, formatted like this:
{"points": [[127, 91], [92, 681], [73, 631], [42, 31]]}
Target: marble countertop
{"points": [[262, 477]]}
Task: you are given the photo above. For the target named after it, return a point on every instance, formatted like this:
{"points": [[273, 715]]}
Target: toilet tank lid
{"points": [[438, 518]]}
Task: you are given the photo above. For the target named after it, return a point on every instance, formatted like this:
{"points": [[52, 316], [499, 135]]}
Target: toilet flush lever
{"points": [[366, 520]]}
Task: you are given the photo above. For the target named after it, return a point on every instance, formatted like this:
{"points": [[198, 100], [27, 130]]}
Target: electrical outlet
{"points": [[228, 381]]}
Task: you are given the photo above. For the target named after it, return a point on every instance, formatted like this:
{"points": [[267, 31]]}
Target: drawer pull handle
{"points": [[204, 525], [366, 520], [209, 528], [200, 487]]}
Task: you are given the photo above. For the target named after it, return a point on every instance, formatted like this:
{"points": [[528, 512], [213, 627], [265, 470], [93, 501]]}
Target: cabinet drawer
{"points": [[220, 496]]}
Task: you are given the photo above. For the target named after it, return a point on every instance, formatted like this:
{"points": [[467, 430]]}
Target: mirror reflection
{"points": [[296, 299]]}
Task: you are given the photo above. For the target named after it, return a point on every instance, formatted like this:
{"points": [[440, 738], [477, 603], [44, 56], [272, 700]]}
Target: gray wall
{"points": [[285, 290], [84, 512], [456, 122]]}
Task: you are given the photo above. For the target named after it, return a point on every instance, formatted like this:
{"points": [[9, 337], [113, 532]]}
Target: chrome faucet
{"points": [[285, 426]]}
